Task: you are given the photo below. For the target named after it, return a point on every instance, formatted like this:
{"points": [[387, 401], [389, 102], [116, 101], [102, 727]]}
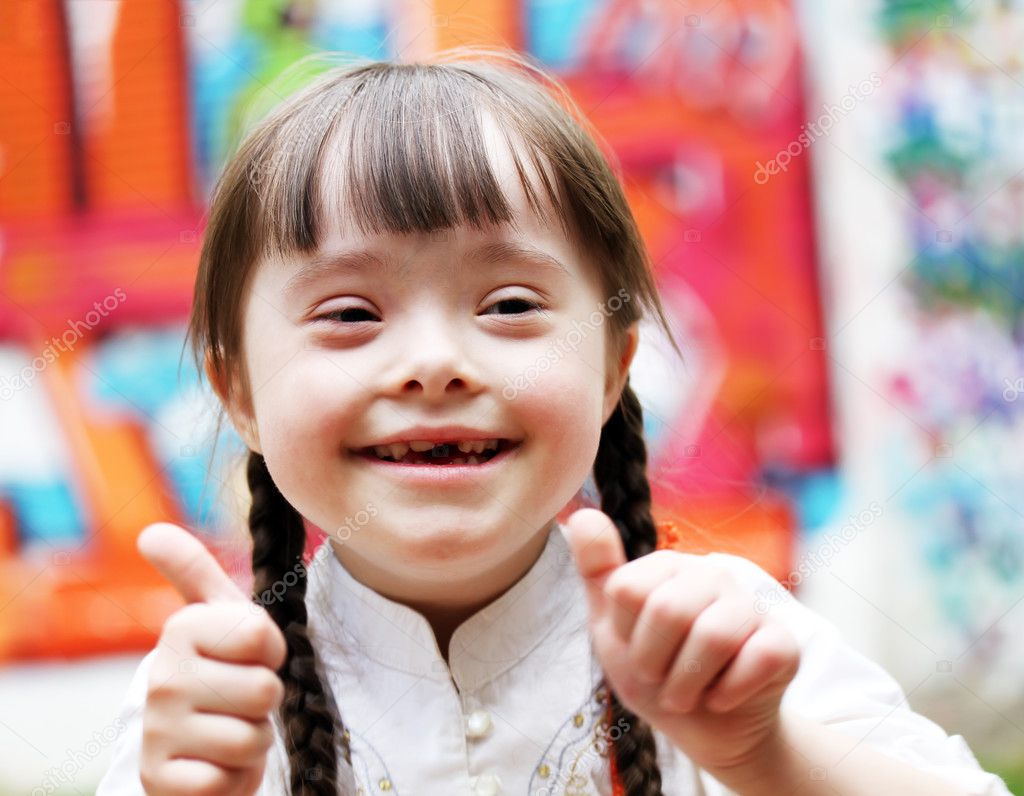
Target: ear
{"points": [[618, 371], [241, 416]]}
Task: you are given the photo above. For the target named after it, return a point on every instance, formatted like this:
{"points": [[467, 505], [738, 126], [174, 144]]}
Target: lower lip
{"points": [[440, 474]]}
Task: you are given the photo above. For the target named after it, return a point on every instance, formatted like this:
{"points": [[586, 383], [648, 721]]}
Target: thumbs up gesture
{"points": [[682, 646], [213, 682]]}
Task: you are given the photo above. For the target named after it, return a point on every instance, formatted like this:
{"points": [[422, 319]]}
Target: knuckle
{"points": [[624, 589], [148, 757], [275, 641], [780, 647], [258, 631], [177, 622], [248, 634], [666, 609], [163, 690], [713, 635], [242, 742], [182, 623], [268, 689], [152, 734], [644, 670], [719, 638], [265, 736], [696, 564], [630, 692]]}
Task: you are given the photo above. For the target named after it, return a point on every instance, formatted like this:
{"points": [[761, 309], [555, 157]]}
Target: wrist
{"points": [[766, 768]]}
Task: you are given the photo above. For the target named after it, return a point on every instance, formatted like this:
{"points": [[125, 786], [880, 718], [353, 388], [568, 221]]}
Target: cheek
{"points": [[304, 412], [563, 404]]}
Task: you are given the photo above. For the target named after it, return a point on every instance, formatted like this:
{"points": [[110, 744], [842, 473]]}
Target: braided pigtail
{"points": [[308, 713], [620, 474]]}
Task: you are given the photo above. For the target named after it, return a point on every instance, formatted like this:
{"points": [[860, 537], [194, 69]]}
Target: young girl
{"points": [[418, 299]]}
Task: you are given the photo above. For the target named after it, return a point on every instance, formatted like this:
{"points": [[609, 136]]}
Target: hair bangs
{"points": [[399, 151], [284, 172]]}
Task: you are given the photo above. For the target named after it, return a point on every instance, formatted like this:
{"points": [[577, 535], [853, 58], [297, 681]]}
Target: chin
{"points": [[438, 541]]}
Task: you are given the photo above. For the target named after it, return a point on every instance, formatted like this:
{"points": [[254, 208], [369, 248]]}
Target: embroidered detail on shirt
{"points": [[574, 755], [369, 770]]}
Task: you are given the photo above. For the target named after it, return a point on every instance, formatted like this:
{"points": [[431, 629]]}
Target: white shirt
{"points": [[516, 712]]}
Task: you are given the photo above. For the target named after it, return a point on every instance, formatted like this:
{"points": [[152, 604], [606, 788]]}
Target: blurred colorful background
{"points": [[833, 195]]}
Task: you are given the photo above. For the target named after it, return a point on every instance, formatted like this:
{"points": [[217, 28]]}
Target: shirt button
{"points": [[478, 723], [487, 785]]}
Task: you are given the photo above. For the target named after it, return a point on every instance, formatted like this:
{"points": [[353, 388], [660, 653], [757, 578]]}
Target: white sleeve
{"points": [[122, 777], [838, 686]]}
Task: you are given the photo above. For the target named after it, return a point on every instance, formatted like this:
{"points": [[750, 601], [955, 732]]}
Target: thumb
{"points": [[597, 548], [184, 561]]}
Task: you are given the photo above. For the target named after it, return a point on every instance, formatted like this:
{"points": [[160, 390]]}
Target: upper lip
{"points": [[438, 434]]}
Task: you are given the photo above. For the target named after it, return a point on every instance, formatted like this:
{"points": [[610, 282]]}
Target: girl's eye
{"points": [[520, 301], [348, 315], [337, 315]]}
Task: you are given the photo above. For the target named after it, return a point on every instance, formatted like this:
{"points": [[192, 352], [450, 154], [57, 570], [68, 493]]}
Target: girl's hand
{"points": [[682, 646], [213, 682]]}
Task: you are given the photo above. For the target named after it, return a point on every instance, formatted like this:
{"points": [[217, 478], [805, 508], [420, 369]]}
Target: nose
{"points": [[434, 357]]}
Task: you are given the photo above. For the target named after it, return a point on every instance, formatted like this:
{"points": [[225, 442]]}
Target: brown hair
{"points": [[400, 129]]}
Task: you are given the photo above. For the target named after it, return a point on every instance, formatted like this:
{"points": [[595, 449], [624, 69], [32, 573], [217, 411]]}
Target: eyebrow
{"points": [[494, 253]]}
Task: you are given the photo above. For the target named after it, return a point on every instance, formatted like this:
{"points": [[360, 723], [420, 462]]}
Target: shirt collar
{"points": [[543, 605]]}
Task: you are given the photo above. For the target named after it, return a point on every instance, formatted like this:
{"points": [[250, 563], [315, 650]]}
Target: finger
{"points": [[185, 775], [628, 589], [715, 637], [245, 692], [230, 632], [665, 622], [597, 549], [225, 740], [770, 656], [184, 561]]}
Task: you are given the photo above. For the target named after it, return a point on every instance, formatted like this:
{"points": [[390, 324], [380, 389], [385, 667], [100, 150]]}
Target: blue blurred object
{"points": [[553, 29], [368, 39], [45, 511], [817, 495], [136, 371]]}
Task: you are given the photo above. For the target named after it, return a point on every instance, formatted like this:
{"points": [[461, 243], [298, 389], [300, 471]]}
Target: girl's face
{"points": [[501, 331]]}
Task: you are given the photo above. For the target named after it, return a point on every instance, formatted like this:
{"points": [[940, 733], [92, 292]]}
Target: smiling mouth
{"points": [[441, 454]]}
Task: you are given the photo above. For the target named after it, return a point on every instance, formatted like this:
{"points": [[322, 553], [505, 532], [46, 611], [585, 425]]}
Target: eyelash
{"points": [[333, 316], [532, 304]]}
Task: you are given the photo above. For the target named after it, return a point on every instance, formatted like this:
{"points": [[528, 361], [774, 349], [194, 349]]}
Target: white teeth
{"points": [[398, 450]]}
